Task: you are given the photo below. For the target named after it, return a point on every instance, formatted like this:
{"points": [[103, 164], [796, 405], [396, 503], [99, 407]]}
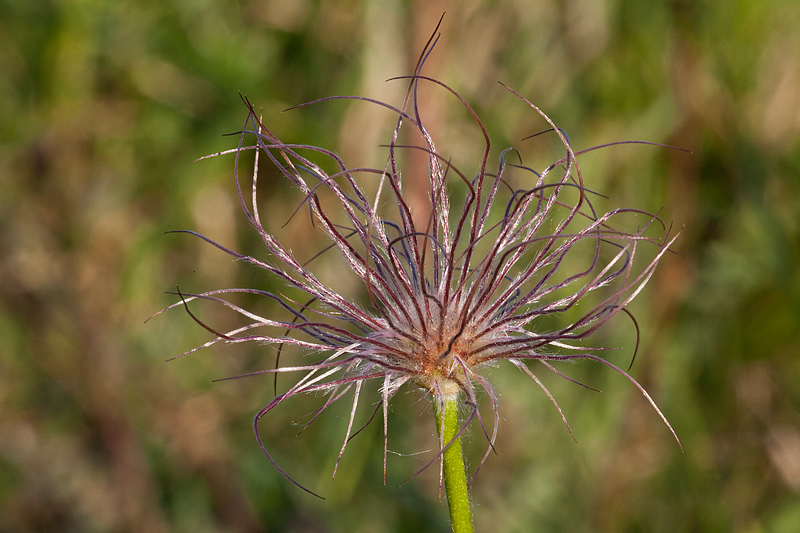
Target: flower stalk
{"points": [[454, 471]]}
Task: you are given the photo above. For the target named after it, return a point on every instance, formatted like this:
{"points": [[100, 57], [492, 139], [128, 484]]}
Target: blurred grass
{"points": [[103, 106]]}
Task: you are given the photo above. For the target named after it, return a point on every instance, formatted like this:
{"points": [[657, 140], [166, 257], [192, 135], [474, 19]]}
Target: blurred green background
{"points": [[103, 108]]}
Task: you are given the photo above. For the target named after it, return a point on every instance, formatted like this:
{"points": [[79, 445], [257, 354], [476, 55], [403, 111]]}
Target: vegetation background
{"points": [[103, 107]]}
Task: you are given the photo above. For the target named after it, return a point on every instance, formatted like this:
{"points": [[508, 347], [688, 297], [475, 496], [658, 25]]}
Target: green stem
{"points": [[455, 477]]}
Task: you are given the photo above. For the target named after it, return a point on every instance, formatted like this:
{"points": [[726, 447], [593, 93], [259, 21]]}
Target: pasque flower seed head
{"points": [[478, 282]]}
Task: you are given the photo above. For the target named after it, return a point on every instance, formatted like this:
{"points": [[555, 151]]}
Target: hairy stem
{"points": [[455, 478]]}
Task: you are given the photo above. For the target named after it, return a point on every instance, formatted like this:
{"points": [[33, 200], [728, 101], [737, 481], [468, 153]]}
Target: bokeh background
{"points": [[103, 108]]}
